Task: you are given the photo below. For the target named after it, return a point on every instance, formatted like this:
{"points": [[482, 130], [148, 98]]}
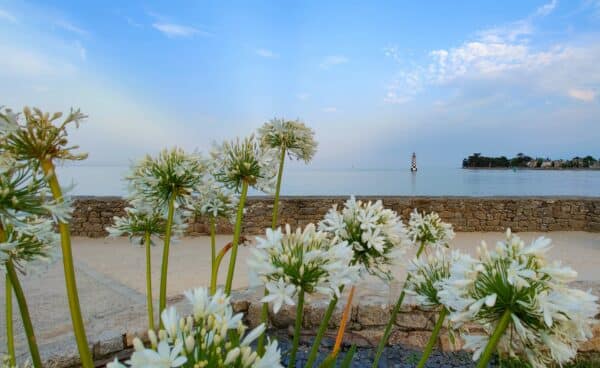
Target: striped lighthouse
{"points": [[413, 165]]}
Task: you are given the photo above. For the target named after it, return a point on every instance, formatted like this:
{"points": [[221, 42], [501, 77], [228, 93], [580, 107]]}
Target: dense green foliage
{"points": [[476, 160]]}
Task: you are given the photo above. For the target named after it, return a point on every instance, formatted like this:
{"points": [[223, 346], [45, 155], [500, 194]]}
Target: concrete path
{"points": [[111, 282]]}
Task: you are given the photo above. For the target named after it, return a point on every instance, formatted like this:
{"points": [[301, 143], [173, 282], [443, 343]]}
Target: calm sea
{"points": [[107, 180]]}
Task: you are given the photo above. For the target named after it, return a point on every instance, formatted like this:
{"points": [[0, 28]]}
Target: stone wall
{"points": [[93, 214]]}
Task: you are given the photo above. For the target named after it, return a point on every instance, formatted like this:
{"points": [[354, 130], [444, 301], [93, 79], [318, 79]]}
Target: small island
{"points": [[523, 161]]}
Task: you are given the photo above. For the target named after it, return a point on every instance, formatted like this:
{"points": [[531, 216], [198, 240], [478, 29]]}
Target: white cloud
{"points": [[303, 96], [505, 55], [177, 30], [546, 9], [266, 53], [67, 26], [5, 15], [330, 109], [586, 95], [333, 60]]}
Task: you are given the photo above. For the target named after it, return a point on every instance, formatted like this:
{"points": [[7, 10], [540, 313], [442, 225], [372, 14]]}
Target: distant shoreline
{"points": [[536, 168]]}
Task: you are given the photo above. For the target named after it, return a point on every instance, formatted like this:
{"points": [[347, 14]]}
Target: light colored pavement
{"points": [[111, 280]]}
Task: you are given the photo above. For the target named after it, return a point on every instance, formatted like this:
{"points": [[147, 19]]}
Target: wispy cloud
{"points": [[266, 53], [582, 94], [333, 60], [7, 16], [303, 96], [505, 55], [70, 27], [132, 22], [173, 30], [330, 109]]}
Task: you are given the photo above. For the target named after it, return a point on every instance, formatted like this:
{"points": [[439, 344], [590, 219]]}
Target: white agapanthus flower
{"points": [[216, 201], [429, 229], [244, 160], [303, 259], [297, 139], [427, 276], [548, 319], [213, 336], [376, 234], [171, 175], [32, 243], [138, 222]]}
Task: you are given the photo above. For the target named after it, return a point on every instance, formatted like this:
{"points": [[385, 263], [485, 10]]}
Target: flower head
{"points": [[548, 319], [376, 235], [39, 138], [428, 275], [137, 223], [215, 201], [213, 336], [172, 174], [293, 136], [305, 260], [429, 229], [243, 160], [31, 242]]}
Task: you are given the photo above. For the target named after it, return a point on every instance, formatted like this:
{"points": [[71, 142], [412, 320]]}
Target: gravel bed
{"points": [[393, 357]]}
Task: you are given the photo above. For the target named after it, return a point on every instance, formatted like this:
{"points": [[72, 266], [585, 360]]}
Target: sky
{"points": [[376, 80]]}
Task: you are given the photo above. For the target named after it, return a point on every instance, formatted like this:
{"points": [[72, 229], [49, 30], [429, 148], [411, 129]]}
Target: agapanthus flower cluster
{"points": [[39, 138], [171, 175], [30, 243], [376, 234], [137, 223], [296, 138], [244, 160], [213, 336], [216, 201], [306, 260], [427, 276], [548, 319], [429, 229]]}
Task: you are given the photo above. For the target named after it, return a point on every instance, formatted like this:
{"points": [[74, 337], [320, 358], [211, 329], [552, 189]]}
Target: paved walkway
{"points": [[111, 282]]}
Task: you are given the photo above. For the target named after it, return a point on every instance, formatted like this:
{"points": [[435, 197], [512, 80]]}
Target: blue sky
{"points": [[376, 80]]}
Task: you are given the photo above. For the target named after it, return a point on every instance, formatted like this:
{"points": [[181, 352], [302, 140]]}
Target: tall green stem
{"points": [[70, 282], [162, 302], [265, 307], [434, 335], [148, 244], [395, 311], [297, 327], [312, 356], [213, 242], [490, 348], [25, 317], [236, 238], [10, 338]]}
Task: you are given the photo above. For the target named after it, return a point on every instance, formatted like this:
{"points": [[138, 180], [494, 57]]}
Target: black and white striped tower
{"points": [[413, 165]]}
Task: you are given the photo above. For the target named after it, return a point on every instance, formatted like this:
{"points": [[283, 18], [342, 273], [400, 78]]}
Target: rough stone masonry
{"points": [[93, 214]]}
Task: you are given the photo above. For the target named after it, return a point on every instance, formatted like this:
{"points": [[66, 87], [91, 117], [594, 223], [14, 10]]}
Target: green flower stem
{"points": [[162, 302], [433, 338], [312, 356], [71, 284], [213, 243], [395, 311], [490, 348], [148, 244], [25, 317], [236, 238], [215, 270], [264, 315], [10, 339], [297, 327]]}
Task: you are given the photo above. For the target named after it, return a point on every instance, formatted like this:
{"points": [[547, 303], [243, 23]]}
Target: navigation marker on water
{"points": [[413, 166]]}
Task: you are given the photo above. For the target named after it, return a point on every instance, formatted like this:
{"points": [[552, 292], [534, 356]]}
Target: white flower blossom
{"points": [[293, 136], [429, 229], [376, 235], [548, 319]]}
